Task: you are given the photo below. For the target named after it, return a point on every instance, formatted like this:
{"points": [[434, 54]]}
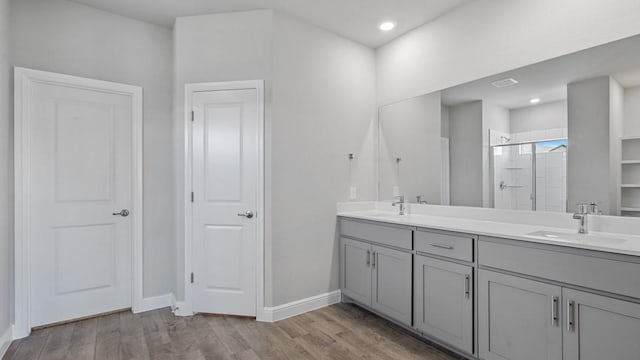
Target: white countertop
{"points": [[601, 241]]}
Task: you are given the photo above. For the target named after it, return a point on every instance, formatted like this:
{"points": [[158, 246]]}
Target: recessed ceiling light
{"points": [[534, 100], [387, 26]]}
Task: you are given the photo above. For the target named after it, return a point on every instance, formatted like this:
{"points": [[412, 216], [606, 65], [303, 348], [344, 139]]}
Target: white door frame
{"points": [[23, 78], [190, 89]]}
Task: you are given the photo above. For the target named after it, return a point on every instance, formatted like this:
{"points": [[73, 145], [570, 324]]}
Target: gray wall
{"points": [[632, 111], [444, 111], [551, 115], [465, 145], [5, 171], [320, 99], [594, 120], [323, 108], [411, 129], [65, 37], [459, 46]]}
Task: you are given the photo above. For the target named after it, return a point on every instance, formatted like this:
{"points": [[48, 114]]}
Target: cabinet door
{"points": [[443, 301], [519, 318], [392, 283], [355, 263], [598, 327]]}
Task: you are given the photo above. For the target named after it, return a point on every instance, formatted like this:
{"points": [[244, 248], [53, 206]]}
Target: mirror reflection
{"points": [[545, 137]]}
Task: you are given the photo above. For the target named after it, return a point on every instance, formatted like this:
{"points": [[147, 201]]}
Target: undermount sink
{"points": [[575, 237]]}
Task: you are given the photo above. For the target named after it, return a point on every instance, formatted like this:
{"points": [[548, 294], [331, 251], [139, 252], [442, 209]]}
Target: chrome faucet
{"points": [[401, 203], [420, 201], [582, 214], [594, 208]]}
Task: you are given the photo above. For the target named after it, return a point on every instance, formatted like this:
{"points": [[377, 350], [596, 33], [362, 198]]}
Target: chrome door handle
{"points": [[123, 213], [373, 260], [368, 258], [248, 214]]}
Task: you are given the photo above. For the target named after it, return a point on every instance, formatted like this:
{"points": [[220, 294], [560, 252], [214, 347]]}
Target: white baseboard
{"points": [[5, 341], [156, 302], [281, 312]]}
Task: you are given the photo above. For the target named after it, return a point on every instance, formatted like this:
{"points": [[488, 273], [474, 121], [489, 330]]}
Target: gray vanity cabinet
{"points": [[443, 301], [598, 327], [356, 270], [519, 319], [378, 277], [392, 283]]}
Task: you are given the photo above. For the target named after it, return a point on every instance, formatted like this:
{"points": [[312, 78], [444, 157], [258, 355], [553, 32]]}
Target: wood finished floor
{"points": [[341, 331]]}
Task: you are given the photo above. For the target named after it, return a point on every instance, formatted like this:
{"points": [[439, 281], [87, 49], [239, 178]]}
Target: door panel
{"points": [[225, 177], [443, 305], [356, 270], [392, 283], [603, 327], [81, 153], [516, 318]]}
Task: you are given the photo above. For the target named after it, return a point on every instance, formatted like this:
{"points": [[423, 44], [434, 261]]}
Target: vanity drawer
{"points": [[396, 236], [618, 274], [453, 245]]}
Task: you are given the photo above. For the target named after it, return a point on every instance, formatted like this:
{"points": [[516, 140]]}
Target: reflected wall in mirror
{"points": [[545, 137], [409, 150]]}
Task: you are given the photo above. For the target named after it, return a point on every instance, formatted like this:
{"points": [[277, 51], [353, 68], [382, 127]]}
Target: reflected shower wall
{"points": [[530, 176]]}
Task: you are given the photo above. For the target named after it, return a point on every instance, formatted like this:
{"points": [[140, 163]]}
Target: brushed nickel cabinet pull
{"points": [[441, 246]]}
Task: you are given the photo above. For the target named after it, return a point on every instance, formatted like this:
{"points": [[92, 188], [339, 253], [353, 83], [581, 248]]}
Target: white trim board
{"points": [[5, 341], [185, 308], [22, 80], [294, 308]]}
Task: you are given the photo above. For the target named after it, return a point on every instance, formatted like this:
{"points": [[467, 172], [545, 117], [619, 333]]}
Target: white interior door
{"points": [[80, 172], [225, 177]]}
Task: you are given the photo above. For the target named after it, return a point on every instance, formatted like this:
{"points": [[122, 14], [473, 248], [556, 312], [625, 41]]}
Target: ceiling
{"points": [[357, 20], [548, 80]]}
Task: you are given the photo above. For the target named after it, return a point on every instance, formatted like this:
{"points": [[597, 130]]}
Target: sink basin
{"points": [[575, 237]]}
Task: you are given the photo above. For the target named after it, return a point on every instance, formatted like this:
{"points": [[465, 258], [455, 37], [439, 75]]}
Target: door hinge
{"points": [[192, 196], [192, 278], [193, 116]]}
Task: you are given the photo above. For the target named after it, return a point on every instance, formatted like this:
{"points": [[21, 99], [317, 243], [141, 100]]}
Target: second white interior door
{"points": [[225, 177]]}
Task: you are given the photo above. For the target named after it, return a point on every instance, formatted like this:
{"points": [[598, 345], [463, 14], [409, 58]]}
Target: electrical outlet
{"points": [[353, 193]]}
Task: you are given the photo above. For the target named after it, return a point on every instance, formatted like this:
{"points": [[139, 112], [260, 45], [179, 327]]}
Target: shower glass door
{"points": [[514, 174]]}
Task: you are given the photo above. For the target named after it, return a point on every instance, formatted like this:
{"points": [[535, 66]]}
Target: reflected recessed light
{"points": [[534, 101], [387, 26]]}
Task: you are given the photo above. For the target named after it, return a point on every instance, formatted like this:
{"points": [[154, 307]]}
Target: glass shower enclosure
{"points": [[530, 176]]}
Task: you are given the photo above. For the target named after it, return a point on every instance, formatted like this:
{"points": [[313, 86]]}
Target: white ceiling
{"points": [[548, 80], [354, 19]]}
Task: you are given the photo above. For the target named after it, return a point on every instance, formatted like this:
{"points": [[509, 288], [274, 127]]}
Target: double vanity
{"points": [[493, 284]]}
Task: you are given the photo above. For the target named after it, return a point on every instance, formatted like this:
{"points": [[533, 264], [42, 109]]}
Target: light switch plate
{"points": [[353, 193]]}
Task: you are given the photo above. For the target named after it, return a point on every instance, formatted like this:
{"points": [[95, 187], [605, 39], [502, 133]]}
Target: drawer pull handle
{"points": [[373, 260], [441, 246], [368, 257]]}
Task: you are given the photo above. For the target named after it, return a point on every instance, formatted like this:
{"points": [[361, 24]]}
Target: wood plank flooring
{"points": [[341, 331]]}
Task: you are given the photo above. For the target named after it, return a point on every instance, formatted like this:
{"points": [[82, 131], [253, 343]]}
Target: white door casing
{"points": [[78, 160], [225, 159]]}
